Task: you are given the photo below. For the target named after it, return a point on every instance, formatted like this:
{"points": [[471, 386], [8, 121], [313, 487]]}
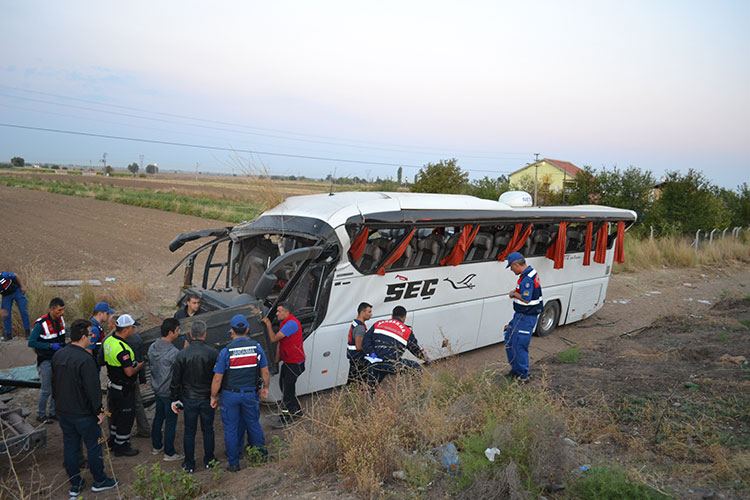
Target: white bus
{"points": [[439, 256]]}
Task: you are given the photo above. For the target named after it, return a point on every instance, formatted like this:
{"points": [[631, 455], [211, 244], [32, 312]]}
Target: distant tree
{"points": [[399, 175], [55, 167], [17, 161], [151, 168], [487, 188], [545, 196], [442, 177], [133, 168], [108, 169], [687, 203], [586, 189]]}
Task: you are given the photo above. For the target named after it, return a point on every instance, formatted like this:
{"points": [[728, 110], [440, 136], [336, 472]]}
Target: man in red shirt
{"points": [[292, 354]]}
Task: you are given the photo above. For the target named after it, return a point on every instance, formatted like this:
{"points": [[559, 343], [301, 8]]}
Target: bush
{"points": [[571, 355], [602, 483], [154, 483]]}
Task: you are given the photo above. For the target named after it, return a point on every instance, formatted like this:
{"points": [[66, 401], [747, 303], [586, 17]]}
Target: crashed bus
{"points": [[440, 256]]}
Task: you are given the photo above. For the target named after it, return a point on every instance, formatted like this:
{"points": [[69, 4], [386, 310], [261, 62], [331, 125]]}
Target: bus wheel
{"points": [[548, 319]]}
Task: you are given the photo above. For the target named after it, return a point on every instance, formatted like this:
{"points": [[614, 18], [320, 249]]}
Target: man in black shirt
{"points": [[75, 385], [192, 305]]}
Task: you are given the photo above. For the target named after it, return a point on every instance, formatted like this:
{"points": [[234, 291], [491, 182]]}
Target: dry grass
{"points": [[364, 438], [266, 190], [675, 252]]}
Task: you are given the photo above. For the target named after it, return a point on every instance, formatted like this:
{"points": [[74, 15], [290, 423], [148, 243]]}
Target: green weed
{"points": [[571, 355], [152, 483], [254, 456], [603, 483]]}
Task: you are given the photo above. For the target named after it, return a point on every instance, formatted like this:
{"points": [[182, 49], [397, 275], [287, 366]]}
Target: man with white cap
{"points": [[122, 370], [527, 305]]}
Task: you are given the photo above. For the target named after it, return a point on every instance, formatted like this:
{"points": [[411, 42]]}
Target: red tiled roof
{"points": [[566, 166]]}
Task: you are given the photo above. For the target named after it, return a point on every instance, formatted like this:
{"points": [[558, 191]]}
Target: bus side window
{"points": [[540, 238], [576, 239], [481, 248], [430, 250]]}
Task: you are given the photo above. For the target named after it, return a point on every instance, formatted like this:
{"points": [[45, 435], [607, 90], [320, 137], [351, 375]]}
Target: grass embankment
{"points": [[200, 206], [676, 252], [407, 425]]}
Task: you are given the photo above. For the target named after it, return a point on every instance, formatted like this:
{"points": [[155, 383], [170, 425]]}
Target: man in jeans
{"points": [[191, 385], [162, 355], [13, 290], [47, 337], [79, 408]]}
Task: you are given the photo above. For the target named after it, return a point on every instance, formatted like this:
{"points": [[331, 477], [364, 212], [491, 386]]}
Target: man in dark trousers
{"points": [[122, 370], [292, 354], [13, 290], [386, 341], [527, 305], [79, 408], [241, 374], [161, 356], [47, 337], [357, 362], [99, 322], [191, 387]]}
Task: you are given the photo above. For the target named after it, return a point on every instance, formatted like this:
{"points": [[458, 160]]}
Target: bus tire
{"points": [[548, 319]]}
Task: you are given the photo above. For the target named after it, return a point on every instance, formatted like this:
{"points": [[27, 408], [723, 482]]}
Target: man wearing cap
{"points": [[527, 305], [191, 386], [99, 322], [122, 370], [47, 337], [13, 290], [292, 353], [241, 373]]}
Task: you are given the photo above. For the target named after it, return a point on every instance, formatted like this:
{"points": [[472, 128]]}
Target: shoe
{"points": [[233, 468], [187, 469], [7, 339], [156, 451], [173, 457], [42, 419], [125, 451], [107, 484], [51, 419], [76, 490], [524, 381], [213, 463]]}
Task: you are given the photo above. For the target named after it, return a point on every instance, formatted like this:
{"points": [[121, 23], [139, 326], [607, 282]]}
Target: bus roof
{"points": [[386, 207]]}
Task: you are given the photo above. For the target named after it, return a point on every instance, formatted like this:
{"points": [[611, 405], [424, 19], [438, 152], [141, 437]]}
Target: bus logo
{"points": [[423, 288], [464, 283]]}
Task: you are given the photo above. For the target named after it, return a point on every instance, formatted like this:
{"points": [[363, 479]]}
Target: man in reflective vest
{"points": [[122, 370], [386, 341], [357, 362], [241, 373], [527, 304], [292, 353], [47, 337]]}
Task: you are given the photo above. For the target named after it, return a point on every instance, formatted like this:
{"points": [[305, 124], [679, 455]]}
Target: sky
{"points": [[360, 88]]}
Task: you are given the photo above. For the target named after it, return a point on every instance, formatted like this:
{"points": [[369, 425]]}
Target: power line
{"points": [[341, 143], [220, 148]]}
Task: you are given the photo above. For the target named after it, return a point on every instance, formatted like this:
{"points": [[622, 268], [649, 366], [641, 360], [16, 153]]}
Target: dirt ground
{"points": [[97, 239]]}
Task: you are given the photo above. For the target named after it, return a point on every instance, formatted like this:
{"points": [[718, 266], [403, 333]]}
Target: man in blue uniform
{"points": [[241, 373], [99, 322], [13, 290], [527, 304], [386, 341], [355, 353]]}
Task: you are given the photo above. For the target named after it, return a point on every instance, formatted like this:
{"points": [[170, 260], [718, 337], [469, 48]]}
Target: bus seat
{"points": [[540, 239], [372, 255], [501, 240], [576, 240], [406, 259], [429, 250], [252, 270], [480, 248]]}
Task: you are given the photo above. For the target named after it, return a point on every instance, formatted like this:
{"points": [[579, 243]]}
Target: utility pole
{"points": [[104, 162], [196, 170], [141, 158], [536, 179]]}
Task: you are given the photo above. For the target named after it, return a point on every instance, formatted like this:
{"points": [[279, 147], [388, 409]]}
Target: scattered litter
{"points": [[696, 316], [701, 301], [490, 453], [620, 301], [581, 402], [726, 358], [570, 442], [399, 474], [654, 293], [689, 285], [633, 333], [72, 282], [449, 457], [109, 279], [704, 276], [676, 404], [593, 325], [584, 468]]}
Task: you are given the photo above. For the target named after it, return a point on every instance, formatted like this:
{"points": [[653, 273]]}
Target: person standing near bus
{"points": [[527, 305], [13, 290], [357, 362], [292, 353]]}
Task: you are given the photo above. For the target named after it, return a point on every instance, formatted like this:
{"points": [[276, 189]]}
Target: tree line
{"points": [[680, 203]]}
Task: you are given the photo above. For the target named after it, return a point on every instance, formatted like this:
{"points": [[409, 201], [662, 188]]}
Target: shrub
{"points": [[571, 355], [154, 483], [602, 483]]}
